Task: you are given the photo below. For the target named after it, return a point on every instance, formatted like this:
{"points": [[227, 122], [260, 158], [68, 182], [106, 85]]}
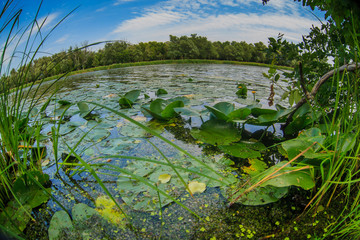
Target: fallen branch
{"points": [[315, 89]]}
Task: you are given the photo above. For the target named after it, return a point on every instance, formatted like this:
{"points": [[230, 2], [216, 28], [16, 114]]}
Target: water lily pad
{"points": [[59, 222], [259, 195], [161, 91], [129, 98], [287, 176], [216, 132], [196, 187], [159, 110], [256, 166], [244, 149], [164, 178]]}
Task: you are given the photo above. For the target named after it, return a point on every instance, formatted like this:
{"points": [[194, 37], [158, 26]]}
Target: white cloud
{"points": [[184, 17], [101, 9], [62, 39], [149, 20], [118, 2]]}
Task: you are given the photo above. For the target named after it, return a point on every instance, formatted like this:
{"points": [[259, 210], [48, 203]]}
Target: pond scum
{"points": [[150, 165]]}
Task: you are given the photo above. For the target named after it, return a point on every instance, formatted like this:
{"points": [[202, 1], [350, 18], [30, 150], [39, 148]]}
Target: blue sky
{"points": [[145, 20]]}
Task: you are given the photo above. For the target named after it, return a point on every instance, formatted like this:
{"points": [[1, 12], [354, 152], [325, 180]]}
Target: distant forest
{"points": [[184, 47]]}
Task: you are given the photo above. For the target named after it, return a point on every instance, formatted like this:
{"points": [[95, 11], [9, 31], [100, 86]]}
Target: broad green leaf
{"points": [[157, 106], [132, 95], [82, 212], [256, 112], [161, 91], [286, 176], [244, 149], [259, 195], [215, 113], [83, 107], [187, 112], [256, 166], [169, 111], [216, 132], [239, 114], [225, 107], [59, 222]]}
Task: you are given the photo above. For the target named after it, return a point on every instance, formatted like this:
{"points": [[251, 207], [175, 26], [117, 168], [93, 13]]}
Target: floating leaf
{"points": [[129, 98], [256, 166], [161, 92], [244, 149], [216, 132], [259, 195], [196, 187], [164, 178], [281, 176], [59, 222]]}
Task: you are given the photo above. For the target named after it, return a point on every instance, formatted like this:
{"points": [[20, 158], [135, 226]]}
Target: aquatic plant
{"points": [[164, 109], [129, 98]]}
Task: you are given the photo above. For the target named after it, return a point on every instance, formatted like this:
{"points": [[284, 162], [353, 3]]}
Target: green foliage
{"points": [[216, 132], [159, 109], [242, 90], [28, 194], [161, 91], [244, 149], [226, 111], [129, 98]]}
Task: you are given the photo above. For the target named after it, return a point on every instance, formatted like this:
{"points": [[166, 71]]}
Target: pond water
{"points": [[105, 134]]}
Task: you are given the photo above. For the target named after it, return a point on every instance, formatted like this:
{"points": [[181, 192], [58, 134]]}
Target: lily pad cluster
{"points": [[192, 178]]}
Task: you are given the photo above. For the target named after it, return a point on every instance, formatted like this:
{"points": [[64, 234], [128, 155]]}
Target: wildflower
{"points": [[253, 92]]}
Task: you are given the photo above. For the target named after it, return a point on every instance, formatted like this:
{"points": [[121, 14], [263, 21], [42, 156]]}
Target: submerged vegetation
{"points": [[199, 171]]}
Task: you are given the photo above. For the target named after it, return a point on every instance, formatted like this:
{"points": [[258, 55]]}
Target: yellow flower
{"points": [[253, 92], [239, 86]]}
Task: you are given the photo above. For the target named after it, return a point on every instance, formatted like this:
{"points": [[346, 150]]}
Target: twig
{"points": [[315, 89]]}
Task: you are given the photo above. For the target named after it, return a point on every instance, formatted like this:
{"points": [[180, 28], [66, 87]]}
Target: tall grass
{"points": [[20, 153]]}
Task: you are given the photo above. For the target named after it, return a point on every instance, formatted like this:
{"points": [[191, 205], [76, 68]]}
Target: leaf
{"points": [[161, 91], [244, 149], [216, 132], [59, 222], [132, 95], [239, 114], [286, 176], [82, 212], [196, 187], [83, 107], [215, 113], [225, 107], [259, 195], [187, 112], [64, 102], [169, 111], [164, 178], [256, 166]]}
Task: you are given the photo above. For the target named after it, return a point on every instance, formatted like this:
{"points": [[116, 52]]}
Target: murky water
{"points": [[108, 134]]}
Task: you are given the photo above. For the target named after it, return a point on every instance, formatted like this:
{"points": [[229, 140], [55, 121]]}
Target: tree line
{"points": [[184, 47]]}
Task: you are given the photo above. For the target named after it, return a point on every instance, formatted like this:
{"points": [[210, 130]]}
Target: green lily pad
{"points": [[161, 91], [59, 222], [129, 98], [216, 132], [244, 149], [159, 110], [286, 176], [30, 196], [259, 195]]}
